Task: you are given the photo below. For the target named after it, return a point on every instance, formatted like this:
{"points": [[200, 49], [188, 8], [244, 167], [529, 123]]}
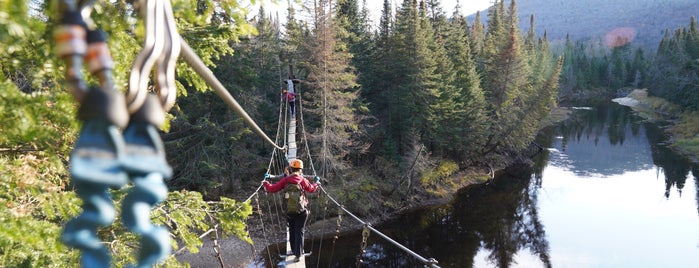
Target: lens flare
{"points": [[619, 36]]}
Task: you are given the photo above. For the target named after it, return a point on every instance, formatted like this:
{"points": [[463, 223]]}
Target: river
{"points": [[606, 192]]}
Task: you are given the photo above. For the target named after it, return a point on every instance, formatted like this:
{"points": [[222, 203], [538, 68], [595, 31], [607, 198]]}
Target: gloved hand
{"points": [[316, 179]]}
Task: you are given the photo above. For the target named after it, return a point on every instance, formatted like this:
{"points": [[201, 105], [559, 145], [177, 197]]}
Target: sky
{"points": [[468, 7], [375, 7]]}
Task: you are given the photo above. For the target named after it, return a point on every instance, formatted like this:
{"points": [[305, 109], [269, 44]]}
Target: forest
{"points": [[412, 109]]}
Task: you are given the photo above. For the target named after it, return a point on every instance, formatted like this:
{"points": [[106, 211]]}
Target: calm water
{"points": [[606, 193]]}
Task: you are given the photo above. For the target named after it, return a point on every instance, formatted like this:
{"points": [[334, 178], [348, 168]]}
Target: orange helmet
{"points": [[296, 163]]}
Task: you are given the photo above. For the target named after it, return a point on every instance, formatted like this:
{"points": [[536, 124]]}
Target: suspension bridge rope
{"points": [[427, 262], [200, 68], [278, 162]]}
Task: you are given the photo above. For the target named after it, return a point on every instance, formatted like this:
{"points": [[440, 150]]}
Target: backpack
{"points": [[294, 199]]}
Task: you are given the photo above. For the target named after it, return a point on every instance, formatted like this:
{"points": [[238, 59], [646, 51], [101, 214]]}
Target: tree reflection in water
{"points": [[506, 218], [500, 220], [500, 217]]}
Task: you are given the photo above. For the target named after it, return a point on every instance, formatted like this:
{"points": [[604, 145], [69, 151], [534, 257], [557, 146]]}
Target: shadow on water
{"points": [[499, 221]]}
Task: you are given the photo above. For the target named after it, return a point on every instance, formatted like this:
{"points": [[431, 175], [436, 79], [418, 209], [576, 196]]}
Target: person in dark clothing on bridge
{"points": [[297, 218]]}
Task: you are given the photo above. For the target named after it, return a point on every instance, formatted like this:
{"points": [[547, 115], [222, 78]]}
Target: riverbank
{"points": [[235, 252], [681, 127], [238, 253]]}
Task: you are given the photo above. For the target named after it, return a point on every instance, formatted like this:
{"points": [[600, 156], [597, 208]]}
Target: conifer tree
{"points": [[39, 129], [443, 94], [508, 87], [467, 124], [405, 95], [205, 126], [421, 84], [380, 80], [330, 95], [295, 45], [477, 35], [355, 22]]}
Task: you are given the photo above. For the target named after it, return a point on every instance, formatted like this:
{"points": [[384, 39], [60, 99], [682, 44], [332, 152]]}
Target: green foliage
{"points": [[685, 132], [520, 83], [33, 205], [232, 216], [40, 249], [39, 121], [439, 173], [675, 69], [690, 146], [39, 128], [25, 48]]}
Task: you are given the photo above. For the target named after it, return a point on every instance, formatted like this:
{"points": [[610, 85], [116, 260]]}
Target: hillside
{"points": [[593, 19]]}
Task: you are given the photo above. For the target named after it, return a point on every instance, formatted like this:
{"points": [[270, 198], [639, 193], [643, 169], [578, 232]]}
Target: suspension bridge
{"points": [[269, 217], [137, 153]]}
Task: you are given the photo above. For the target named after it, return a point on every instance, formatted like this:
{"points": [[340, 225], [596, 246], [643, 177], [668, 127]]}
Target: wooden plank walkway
{"points": [[291, 154], [291, 139]]}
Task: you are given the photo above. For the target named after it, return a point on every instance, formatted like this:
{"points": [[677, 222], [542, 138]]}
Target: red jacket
{"points": [[293, 178], [291, 97]]}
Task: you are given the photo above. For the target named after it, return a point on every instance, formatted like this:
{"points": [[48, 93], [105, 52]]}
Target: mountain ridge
{"points": [[591, 20]]}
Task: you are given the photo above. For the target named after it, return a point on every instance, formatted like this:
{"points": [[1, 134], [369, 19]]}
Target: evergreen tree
{"points": [[361, 45], [402, 96], [443, 97], [675, 69], [204, 126], [509, 90], [477, 35], [380, 80], [330, 98], [39, 129], [295, 43], [421, 84], [465, 128]]}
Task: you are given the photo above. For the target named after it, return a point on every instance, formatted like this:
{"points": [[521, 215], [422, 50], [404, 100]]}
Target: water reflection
{"points": [[601, 141], [503, 223], [675, 167]]}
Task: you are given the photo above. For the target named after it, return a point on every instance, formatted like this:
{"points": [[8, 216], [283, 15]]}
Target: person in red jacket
{"points": [[296, 221], [290, 97]]}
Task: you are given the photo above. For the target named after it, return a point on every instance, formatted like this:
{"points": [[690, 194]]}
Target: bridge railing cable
{"points": [[200, 68], [431, 262]]}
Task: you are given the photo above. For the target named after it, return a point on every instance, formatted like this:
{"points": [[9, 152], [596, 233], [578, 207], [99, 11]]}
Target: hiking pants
{"points": [[297, 222]]}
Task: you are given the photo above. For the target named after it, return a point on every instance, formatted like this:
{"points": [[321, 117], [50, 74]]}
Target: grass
{"points": [[685, 132], [685, 125]]}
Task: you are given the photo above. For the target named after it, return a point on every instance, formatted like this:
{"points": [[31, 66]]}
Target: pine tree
{"points": [[477, 36], [205, 126], [330, 95], [421, 84], [404, 96], [467, 123], [507, 84], [361, 45], [443, 96], [38, 130], [295, 45]]}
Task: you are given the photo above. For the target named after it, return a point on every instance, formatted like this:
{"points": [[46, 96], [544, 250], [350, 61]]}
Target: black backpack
{"points": [[294, 199]]}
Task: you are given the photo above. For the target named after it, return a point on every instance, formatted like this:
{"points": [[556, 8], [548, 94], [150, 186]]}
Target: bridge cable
{"points": [[303, 134], [200, 68], [427, 262], [262, 224], [304, 139]]}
